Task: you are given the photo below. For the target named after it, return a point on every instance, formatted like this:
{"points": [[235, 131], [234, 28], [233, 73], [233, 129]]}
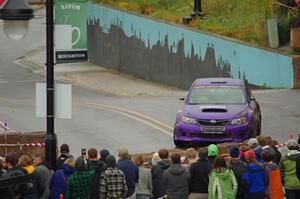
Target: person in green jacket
{"points": [[222, 182], [287, 167]]}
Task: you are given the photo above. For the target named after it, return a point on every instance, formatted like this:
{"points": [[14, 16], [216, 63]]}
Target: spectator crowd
{"points": [[253, 170]]}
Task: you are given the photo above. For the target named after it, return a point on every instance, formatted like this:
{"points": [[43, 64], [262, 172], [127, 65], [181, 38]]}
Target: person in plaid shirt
{"points": [[112, 181], [79, 182]]}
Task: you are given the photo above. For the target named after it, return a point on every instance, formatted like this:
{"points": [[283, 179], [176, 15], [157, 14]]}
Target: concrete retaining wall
{"points": [[176, 55]]}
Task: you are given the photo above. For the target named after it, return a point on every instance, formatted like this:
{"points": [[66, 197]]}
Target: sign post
{"points": [[70, 31]]}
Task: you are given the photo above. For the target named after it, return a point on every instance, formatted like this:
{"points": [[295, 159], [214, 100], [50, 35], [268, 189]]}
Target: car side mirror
{"points": [[181, 99]]}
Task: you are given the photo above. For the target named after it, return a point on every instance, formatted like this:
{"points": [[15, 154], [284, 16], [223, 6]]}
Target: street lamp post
{"points": [[51, 140], [16, 14]]}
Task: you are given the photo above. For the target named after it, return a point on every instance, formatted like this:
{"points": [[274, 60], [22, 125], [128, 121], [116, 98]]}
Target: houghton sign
{"points": [[70, 31]]}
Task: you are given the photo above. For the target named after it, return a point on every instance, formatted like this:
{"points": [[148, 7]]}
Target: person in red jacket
{"points": [[274, 187]]}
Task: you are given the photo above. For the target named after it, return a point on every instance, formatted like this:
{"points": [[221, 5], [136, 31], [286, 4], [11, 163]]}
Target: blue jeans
{"points": [[292, 194], [142, 196]]}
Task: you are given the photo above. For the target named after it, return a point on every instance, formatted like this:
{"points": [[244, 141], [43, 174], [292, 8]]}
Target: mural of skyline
{"points": [[258, 66]]}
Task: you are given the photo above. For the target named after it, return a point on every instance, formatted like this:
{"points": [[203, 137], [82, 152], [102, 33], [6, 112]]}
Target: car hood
{"points": [[220, 112]]}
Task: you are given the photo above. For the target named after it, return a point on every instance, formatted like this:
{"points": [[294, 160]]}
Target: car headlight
{"points": [[239, 121], [188, 120]]}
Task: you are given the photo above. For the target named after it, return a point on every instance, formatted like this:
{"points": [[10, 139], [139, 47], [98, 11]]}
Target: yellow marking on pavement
{"points": [[164, 128], [132, 116], [15, 100], [134, 113]]}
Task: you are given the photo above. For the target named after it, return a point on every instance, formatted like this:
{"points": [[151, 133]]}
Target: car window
{"points": [[216, 95]]}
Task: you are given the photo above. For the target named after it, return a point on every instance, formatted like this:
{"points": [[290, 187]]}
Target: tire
{"points": [[179, 144], [258, 127]]}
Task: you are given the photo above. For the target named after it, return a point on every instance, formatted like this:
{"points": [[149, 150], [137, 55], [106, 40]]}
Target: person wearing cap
{"points": [[79, 182], [130, 170], [288, 170], [254, 178], [64, 154], [256, 144], [213, 152], [112, 181], [239, 168], [199, 172]]}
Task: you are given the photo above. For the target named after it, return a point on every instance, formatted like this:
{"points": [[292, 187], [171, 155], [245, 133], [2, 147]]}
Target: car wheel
{"points": [[258, 128], [179, 144]]}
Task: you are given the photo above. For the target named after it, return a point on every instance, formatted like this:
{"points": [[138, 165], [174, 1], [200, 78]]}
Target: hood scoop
{"points": [[214, 110]]}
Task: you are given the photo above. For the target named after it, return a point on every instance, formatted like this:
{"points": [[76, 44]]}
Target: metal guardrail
{"points": [[15, 181]]}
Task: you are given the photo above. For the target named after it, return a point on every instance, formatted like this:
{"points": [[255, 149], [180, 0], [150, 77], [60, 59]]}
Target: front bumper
{"points": [[212, 134]]}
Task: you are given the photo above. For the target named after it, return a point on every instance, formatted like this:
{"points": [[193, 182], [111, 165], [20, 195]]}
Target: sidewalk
{"points": [[96, 78]]}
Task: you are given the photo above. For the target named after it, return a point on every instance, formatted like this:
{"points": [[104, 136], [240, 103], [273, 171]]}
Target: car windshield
{"points": [[216, 95]]}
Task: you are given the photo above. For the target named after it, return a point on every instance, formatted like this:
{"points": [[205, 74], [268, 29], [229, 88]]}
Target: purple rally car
{"points": [[217, 110]]}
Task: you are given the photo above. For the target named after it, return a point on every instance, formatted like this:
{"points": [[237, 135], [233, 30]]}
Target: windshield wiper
{"points": [[194, 103]]}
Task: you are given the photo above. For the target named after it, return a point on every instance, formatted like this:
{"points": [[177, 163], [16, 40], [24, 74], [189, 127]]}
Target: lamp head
{"points": [[16, 15]]}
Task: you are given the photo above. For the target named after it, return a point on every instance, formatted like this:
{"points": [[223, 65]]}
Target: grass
{"points": [[240, 19]]}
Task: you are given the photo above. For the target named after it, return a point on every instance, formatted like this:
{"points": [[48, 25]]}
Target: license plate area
{"points": [[216, 130], [213, 132]]}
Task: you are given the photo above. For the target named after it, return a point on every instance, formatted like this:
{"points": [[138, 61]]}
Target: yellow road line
{"points": [[133, 117], [130, 114], [134, 113]]}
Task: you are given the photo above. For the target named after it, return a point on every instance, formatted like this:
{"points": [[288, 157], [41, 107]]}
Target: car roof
{"points": [[218, 81]]}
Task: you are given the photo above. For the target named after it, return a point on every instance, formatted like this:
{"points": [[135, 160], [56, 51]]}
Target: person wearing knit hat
{"points": [[239, 168], [234, 152], [253, 143], [112, 181], [103, 154], [288, 166], [254, 177], [292, 144], [213, 152]]}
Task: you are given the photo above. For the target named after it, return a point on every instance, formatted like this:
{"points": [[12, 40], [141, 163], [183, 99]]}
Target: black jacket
{"points": [[17, 191], [157, 178], [239, 168], [176, 180], [95, 183], [61, 159], [200, 176]]}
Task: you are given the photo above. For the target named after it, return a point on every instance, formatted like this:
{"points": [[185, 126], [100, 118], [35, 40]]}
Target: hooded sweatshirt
{"points": [[59, 181], [254, 179], [288, 170], [212, 153], [157, 178], [176, 181], [222, 184]]}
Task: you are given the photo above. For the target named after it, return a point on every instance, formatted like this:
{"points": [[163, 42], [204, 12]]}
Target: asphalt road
{"points": [[94, 124]]}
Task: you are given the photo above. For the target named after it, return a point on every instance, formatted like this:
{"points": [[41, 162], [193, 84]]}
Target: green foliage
{"points": [[240, 19]]}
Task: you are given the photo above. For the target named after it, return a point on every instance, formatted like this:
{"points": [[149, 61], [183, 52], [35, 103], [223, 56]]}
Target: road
{"points": [[103, 120]]}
